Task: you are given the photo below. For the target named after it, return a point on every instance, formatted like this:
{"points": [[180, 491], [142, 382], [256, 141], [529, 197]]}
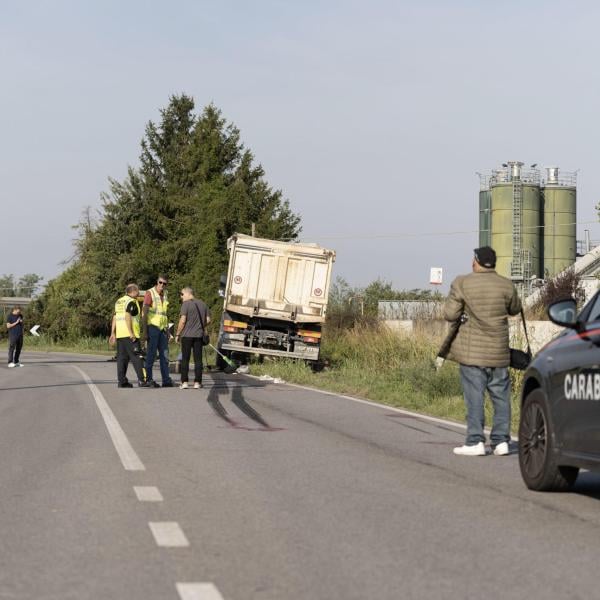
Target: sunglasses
{"points": [[163, 282]]}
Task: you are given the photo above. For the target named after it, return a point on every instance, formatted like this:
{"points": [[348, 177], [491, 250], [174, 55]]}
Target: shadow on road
{"points": [[237, 397], [588, 484]]}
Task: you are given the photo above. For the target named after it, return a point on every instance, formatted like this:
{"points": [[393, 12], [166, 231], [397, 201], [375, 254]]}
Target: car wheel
{"points": [[537, 458]]}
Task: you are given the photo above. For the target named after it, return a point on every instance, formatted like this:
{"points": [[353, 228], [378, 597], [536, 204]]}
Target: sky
{"points": [[371, 117]]}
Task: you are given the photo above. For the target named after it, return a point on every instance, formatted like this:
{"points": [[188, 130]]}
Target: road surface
{"points": [[250, 490]]}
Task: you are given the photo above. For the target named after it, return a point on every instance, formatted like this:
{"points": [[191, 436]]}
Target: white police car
{"points": [[559, 431]]}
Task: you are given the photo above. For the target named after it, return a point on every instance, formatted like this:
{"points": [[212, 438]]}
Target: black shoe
{"points": [[168, 384], [144, 384], [125, 385], [152, 384]]}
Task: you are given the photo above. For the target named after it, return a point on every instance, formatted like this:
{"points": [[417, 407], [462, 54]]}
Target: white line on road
{"points": [[147, 493], [198, 591], [401, 411], [168, 534], [129, 458]]}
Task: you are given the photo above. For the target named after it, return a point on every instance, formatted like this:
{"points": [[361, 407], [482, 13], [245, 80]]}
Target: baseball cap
{"points": [[485, 256]]}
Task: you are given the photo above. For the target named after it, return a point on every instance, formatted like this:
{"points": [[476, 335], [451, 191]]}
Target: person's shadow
{"points": [[237, 397]]}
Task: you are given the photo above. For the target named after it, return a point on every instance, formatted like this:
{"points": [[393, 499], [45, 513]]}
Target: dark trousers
{"points": [[14, 349], [125, 354], [158, 340], [187, 344]]}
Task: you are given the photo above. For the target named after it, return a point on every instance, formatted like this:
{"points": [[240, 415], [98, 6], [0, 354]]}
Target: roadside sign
{"points": [[34, 331], [435, 276]]}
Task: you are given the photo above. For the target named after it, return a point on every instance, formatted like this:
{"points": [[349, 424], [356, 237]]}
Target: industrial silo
{"points": [[559, 196], [516, 222]]}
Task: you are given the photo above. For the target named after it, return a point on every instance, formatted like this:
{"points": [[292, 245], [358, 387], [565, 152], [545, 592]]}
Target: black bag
{"points": [[205, 336], [518, 359]]}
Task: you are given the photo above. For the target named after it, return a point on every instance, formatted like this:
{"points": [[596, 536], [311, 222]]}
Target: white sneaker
{"points": [[183, 386], [11, 365], [502, 449], [475, 450], [18, 364], [197, 385]]}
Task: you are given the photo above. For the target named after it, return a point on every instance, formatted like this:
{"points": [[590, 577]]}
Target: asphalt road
{"points": [[250, 490]]}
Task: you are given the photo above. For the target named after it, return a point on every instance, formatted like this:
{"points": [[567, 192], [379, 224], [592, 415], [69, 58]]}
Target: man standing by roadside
{"points": [[155, 330], [125, 330], [191, 328], [14, 324], [486, 300]]}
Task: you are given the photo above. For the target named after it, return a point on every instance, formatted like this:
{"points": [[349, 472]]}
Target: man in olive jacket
{"points": [[481, 348]]}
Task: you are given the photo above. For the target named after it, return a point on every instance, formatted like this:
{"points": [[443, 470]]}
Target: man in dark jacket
{"points": [[486, 300]]}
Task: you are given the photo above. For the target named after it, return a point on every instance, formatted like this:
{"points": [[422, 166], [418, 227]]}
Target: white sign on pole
{"points": [[34, 331], [435, 276]]}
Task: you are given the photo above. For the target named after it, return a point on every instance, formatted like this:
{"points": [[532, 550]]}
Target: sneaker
{"points": [[197, 385], [475, 450], [152, 384], [18, 364], [11, 365], [125, 385], [168, 384], [184, 385], [502, 449]]}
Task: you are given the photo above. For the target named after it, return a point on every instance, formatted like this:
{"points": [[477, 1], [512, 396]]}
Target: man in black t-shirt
{"points": [[14, 324]]}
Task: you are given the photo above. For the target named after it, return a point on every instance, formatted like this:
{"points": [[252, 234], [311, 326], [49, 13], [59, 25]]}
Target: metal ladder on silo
{"points": [[516, 266]]}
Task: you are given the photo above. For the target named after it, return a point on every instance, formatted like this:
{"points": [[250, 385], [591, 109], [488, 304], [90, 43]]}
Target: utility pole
{"points": [[253, 229]]}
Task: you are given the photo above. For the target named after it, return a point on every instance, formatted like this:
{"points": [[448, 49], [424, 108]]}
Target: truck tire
{"points": [[537, 457]]}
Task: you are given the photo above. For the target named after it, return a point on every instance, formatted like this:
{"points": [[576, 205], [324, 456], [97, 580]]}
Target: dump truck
{"points": [[275, 298]]}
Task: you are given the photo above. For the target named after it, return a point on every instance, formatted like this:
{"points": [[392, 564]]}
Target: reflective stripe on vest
{"points": [[120, 311], [157, 313]]}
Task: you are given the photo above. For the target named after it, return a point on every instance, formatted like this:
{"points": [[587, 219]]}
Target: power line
{"points": [[434, 233]]}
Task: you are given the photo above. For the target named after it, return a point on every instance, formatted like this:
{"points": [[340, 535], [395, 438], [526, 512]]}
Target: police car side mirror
{"points": [[564, 313]]}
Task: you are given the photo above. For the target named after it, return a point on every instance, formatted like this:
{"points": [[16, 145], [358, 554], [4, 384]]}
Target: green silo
{"points": [[559, 197], [516, 234], [485, 221]]}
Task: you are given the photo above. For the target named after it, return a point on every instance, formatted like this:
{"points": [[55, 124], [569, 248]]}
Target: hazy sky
{"points": [[371, 117]]}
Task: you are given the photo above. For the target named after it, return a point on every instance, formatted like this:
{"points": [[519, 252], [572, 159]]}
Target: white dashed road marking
{"points": [[198, 591], [147, 493], [129, 458], [168, 534]]}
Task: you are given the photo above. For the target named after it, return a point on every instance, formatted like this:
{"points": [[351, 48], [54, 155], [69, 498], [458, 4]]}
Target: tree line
{"points": [[195, 186], [23, 287]]}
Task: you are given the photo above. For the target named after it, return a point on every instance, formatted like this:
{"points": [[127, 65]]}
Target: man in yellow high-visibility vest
{"points": [[125, 330], [156, 330]]}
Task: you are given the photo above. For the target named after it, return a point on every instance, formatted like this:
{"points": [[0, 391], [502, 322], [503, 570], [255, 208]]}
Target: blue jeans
{"points": [[475, 381], [157, 340]]}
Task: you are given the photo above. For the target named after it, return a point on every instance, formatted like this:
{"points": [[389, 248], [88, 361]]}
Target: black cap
{"points": [[485, 256]]}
